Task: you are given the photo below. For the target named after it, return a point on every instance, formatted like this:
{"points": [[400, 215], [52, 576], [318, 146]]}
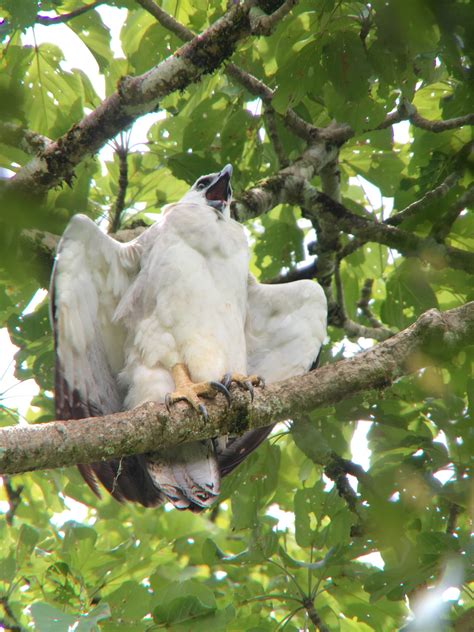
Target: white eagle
{"points": [[172, 315]]}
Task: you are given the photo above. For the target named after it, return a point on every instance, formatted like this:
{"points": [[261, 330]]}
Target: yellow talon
{"points": [[189, 391]]}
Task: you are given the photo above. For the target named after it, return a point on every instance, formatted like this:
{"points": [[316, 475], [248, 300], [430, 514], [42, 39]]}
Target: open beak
{"points": [[219, 192]]}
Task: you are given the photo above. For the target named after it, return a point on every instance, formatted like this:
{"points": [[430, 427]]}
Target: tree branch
{"points": [[442, 227], [408, 244], [135, 97], [308, 271], [438, 126], [293, 121], [12, 624], [291, 186], [150, 428], [406, 111], [363, 304], [17, 136], [286, 184], [429, 197], [166, 20]]}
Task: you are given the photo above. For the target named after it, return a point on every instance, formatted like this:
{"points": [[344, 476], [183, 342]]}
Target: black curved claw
{"points": [[226, 380], [222, 388], [168, 401], [248, 385], [203, 410]]}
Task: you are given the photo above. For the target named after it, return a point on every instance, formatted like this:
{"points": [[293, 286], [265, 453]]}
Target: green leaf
{"points": [[27, 539], [95, 35], [50, 619]]}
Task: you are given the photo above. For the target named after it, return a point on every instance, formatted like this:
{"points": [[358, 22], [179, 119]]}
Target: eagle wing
{"points": [[91, 274], [285, 329]]}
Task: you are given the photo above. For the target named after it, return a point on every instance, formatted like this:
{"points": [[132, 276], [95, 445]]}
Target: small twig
{"points": [[215, 512], [343, 486], [271, 125], [166, 20], [409, 211], [339, 318], [264, 24], [66, 17], [439, 126], [337, 470], [363, 303], [14, 498], [429, 197], [327, 247]]}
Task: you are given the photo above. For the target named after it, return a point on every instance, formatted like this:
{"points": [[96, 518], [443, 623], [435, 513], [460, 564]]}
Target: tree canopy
{"points": [[349, 127]]}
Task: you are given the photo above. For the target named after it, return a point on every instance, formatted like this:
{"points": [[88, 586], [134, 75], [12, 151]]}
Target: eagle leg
{"points": [[189, 391], [244, 381]]}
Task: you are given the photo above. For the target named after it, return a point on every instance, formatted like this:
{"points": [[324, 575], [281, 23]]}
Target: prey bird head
{"points": [[213, 190]]}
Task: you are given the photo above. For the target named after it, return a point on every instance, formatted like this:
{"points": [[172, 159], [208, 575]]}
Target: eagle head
{"points": [[213, 189]]}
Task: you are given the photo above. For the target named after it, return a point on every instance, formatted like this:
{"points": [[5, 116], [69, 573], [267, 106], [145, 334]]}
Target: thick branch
{"points": [[287, 183], [408, 244], [291, 186], [28, 141], [150, 427]]}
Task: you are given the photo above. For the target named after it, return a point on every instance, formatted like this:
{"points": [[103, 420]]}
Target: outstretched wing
{"points": [[285, 328], [91, 274]]}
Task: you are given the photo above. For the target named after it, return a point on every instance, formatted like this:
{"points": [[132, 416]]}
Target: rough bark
{"points": [[432, 338]]}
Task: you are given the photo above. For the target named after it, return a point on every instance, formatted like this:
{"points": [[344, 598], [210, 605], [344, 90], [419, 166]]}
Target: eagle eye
{"points": [[202, 184]]}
